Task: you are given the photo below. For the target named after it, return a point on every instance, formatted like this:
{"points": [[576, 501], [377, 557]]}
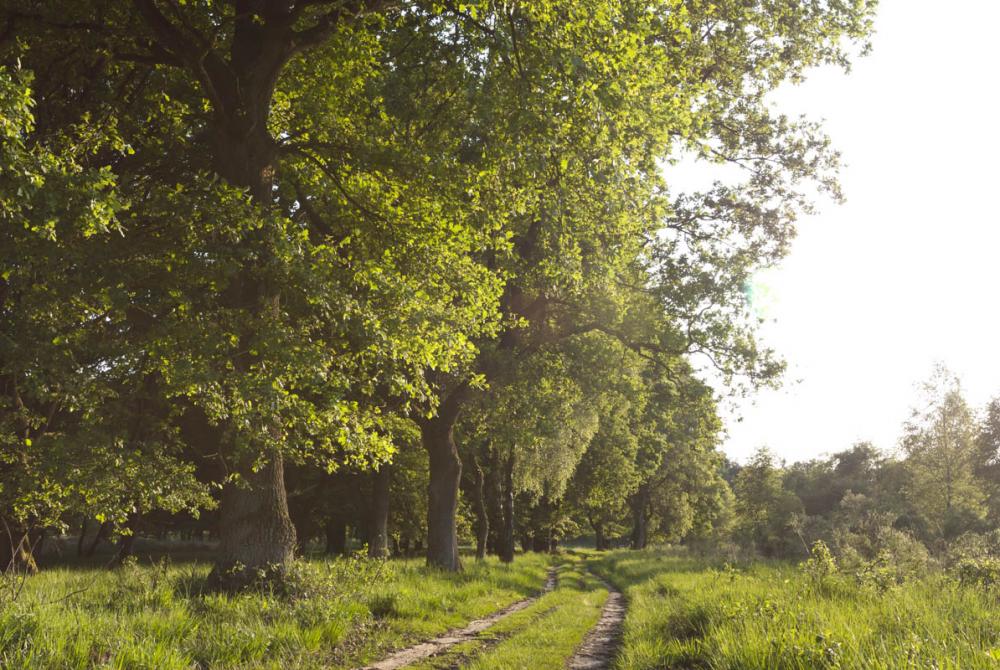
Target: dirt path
{"points": [[438, 645], [598, 648]]}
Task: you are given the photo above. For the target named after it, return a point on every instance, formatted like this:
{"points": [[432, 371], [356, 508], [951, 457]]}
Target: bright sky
{"points": [[908, 271]]}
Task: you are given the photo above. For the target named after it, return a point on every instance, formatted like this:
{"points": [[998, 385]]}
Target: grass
{"points": [[683, 614], [343, 614]]}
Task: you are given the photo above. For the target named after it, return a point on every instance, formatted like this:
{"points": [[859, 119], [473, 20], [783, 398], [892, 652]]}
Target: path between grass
{"points": [[601, 644], [419, 652]]}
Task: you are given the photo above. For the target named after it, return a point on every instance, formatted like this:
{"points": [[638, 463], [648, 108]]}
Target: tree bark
{"points": [[378, 528], [442, 492], [438, 437], [482, 519], [640, 519], [599, 539], [256, 535], [507, 544]]}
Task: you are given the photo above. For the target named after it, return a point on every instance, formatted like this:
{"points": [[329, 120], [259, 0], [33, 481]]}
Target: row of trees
{"points": [[248, 246], [941, 488]]}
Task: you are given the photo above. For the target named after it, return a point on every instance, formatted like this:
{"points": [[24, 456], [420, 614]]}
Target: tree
{"points": [[538, 418], [606, 477], [679, 487], [940, 444], [590, 132], [765, 510], [988, 459], [268, 310], [76, 433]]}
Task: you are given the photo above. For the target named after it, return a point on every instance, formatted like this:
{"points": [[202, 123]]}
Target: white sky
{"points": [[908, 271]]}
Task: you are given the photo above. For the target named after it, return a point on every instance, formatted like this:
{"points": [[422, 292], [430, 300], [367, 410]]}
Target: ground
{"points": [[682, 613]]}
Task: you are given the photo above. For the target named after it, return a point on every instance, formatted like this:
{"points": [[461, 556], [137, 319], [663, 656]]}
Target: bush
{"points": [[982, 572], [820, 565], [973, 546]]}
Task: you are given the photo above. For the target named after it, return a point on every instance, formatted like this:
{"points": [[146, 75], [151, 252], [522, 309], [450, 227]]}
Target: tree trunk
{"points": [[126, 545], [507, 544], [438, 439], [102, 533], [494, 506], [256, 535], [126, 542], [79, 540], [640, 520], [378, 528], [600, 541], [336, 537], [482, 519]]}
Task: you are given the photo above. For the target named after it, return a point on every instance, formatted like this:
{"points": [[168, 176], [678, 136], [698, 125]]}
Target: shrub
{"points": [[984, 572], [820, 565]]}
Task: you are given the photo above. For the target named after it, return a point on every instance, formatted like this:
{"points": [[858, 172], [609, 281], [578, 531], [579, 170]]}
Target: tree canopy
{"points": [[240, 234]]}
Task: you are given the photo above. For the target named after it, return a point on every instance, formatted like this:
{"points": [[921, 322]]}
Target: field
{"points": [[682, 613]]}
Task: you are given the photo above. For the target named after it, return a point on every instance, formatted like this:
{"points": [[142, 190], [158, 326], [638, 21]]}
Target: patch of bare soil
{"points": [[438, 645], [599, 646]]}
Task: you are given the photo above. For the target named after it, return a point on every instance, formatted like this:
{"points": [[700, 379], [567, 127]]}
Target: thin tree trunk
{"points": [[600, 541], [102, 533], [126, 545], [494, 505], [126, 542], [336, 537], [378, 540], [80, 540], [256, 535], [482, 519], [507, 545]]}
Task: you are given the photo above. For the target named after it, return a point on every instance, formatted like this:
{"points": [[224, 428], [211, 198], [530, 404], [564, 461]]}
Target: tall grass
{"points": [[683, 614], [337, 614]]}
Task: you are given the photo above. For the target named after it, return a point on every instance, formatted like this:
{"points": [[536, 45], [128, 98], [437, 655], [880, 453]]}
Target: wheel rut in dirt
{"points": [[599, 647], [439, 645]]}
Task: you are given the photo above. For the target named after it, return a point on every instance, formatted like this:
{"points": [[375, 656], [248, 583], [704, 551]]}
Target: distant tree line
{"points": [[938, 493]]}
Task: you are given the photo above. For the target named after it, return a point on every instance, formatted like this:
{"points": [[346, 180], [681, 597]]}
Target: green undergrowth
{"points": [[540, 637], [685, 615], [336, 614]]}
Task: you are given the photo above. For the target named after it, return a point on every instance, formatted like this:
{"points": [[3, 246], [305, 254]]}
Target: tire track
{"points": [[438, 645], [597, 651]]}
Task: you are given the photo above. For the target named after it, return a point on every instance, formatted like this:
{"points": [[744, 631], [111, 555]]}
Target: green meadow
{"points": [[683, 612]]}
